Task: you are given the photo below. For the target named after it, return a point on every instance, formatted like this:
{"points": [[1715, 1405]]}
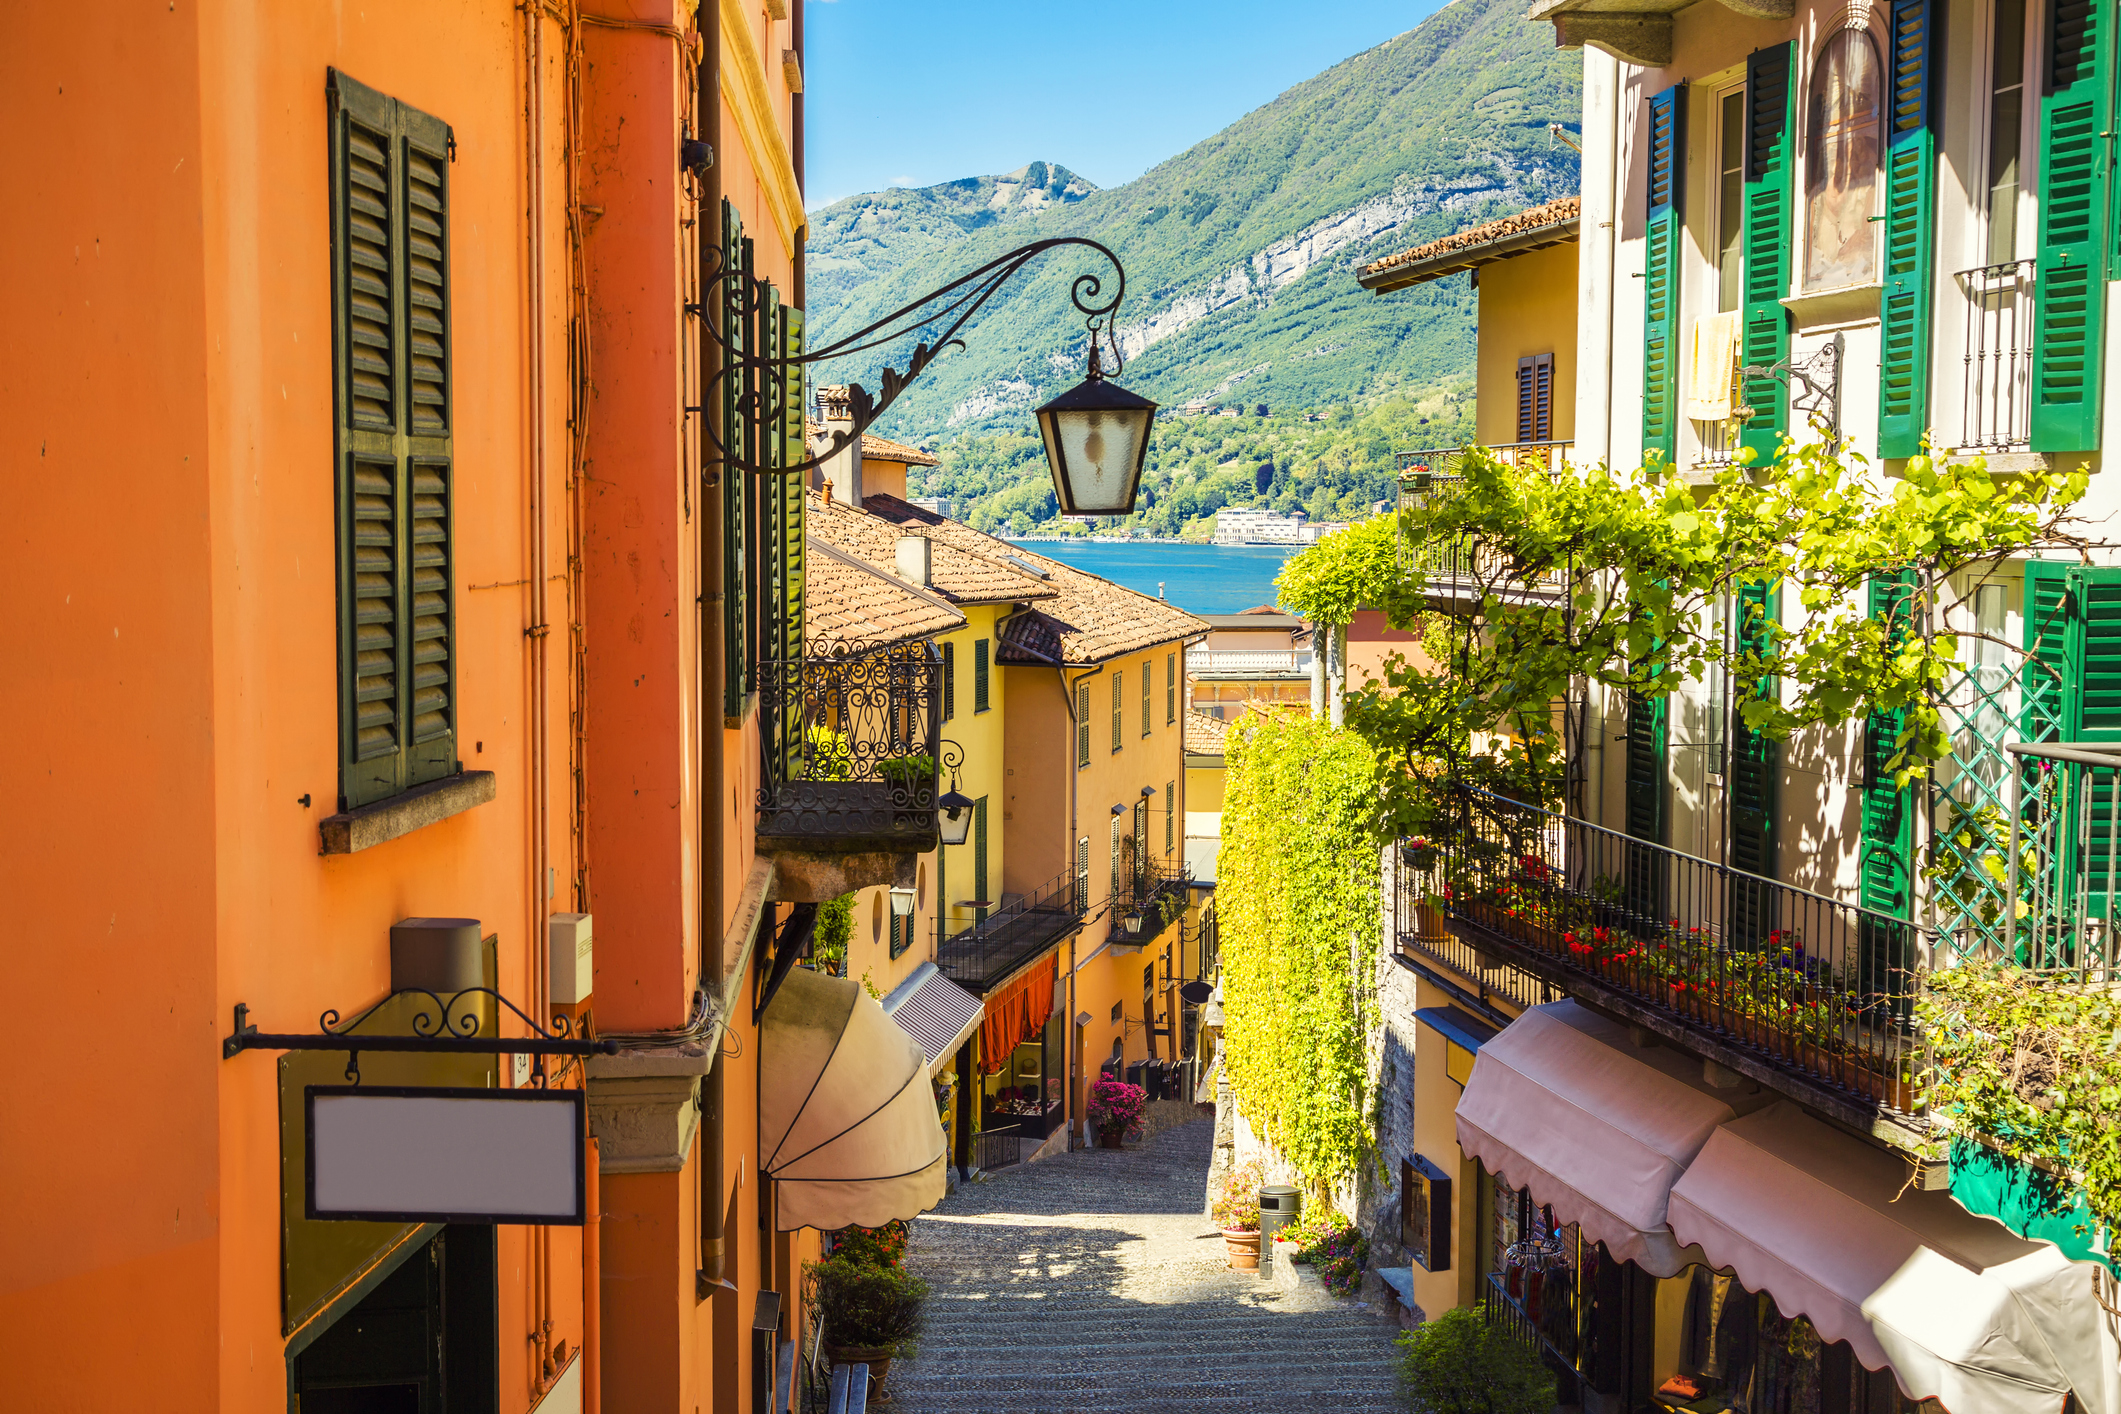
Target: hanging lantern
{"points": [[1097, 440]]}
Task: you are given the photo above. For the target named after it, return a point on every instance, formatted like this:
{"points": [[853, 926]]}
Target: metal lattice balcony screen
{"points": [[2065, 854], [848, 744], [1984, 706]]}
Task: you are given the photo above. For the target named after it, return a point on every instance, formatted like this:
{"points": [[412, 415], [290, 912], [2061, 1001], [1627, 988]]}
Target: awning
{"points": [[1960, 1309], [1562, 1104], [936, 1012], [846, 1119], [1017, 1012]]}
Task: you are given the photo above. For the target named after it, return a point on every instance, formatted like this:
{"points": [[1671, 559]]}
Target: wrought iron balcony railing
{"points": [[848, 743], [1815, 987], [1997, 382], [1155, 894], [978, 957], [1431, 473]]}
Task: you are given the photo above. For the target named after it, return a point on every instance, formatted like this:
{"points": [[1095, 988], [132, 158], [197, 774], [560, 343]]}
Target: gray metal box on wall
{"points": [[573, 978]]}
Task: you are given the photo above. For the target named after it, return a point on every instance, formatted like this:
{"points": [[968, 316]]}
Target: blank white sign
{"points": [[446, 1155]]}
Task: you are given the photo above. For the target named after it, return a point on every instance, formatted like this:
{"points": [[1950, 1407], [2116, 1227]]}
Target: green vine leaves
{"points": [[2033, 1063], [1298, 894], [1525, 582]]}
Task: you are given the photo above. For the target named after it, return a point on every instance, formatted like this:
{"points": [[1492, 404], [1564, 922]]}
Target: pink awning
{"points": [[1563, 1104], [1958, 1307]]}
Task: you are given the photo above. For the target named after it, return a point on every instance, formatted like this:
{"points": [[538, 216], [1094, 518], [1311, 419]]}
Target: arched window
{"points": [[1841, 163]]}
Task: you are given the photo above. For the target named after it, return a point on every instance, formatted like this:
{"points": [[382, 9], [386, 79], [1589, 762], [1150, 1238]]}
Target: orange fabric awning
{"points": [[1015, 1014]]}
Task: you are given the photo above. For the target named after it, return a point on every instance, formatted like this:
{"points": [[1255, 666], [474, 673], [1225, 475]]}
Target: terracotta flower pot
{"points": [[1112, 1139], [876, 1357], [1243, 1248]]}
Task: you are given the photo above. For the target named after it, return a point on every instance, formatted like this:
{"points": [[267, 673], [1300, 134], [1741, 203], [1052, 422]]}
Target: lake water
{"points": [[1202, 579]]}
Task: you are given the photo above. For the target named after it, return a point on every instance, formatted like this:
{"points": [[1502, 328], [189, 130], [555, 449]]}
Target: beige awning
{"points": [[1563, 1104], [1958, 1307], [847, 1122]]}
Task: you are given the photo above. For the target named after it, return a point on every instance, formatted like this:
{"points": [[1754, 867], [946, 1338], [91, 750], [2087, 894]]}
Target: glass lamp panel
{"points": [[1099, 455]]}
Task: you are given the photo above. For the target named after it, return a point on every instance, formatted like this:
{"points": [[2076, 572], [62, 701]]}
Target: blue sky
{"points": [[913, 92]]}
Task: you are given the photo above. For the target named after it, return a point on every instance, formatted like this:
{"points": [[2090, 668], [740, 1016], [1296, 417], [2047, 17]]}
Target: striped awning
{"points": [[936, 1012]]}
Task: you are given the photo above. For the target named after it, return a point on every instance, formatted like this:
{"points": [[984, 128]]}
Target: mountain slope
{"points": [[1238, 251]]}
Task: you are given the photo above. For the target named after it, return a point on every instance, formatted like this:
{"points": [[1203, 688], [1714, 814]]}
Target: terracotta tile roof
{"points": [[888, 451], [882, 448], [1540, 226], [848, 601], [1087, 620], [958, 575], [1204, 734]]}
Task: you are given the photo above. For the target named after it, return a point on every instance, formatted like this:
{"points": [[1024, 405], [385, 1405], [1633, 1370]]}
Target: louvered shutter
{"points": [[389, 179], [736, 484], [1082, 726], [1170, 688], [1755, 778], [949, 681], [1535, 398], [1888, 820], [792, 509], [982, 675], [979, 857], [1118, 701], [1886, 840], [1910, 220], [1765, 325], [1082, 872], [2073, 638], [2076, 161], [1170, 816], [1643, 808], [1148, 691], [1660, 281]]}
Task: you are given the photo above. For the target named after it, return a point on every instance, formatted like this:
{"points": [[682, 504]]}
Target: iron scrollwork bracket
{"points": [[1820, 375], [441, 1031], [765, 374]]}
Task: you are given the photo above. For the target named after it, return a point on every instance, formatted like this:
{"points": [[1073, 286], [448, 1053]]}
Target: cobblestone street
{"points": [[1092, 1282]]}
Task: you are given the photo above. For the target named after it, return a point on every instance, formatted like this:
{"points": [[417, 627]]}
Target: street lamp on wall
{"points": [[1096, 434], [954, 815]]}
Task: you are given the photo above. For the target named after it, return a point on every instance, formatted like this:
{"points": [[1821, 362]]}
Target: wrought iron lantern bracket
{"points": [[764, 375], [438, 1032], [1819, 373]]}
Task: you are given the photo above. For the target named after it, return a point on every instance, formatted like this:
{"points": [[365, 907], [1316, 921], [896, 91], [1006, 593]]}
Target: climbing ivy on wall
{"points": [[1297, 889]]}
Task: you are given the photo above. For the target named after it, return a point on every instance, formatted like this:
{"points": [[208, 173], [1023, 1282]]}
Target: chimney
{"points": [[916, 560], [836, 414]]}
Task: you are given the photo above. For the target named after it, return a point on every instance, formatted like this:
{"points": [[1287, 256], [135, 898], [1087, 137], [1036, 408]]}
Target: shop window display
{"points": [[1026, 1091]]}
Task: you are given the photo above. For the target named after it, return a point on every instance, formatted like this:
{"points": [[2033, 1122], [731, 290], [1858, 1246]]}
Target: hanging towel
{"points": [[1714, 352]]}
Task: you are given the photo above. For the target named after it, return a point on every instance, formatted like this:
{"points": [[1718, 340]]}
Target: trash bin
{"points": [[1279, 1205]]}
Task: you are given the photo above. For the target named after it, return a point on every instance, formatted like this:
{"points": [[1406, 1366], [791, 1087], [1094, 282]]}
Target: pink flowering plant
{"points": [[1117, 1108], [1333, 1246], [1236, 1207]]}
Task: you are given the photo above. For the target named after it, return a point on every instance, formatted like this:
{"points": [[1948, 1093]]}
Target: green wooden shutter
{"points": [[1886, 878], [1755, 780], [982, 675], [949, 681], [1886, 839], [389, 180], [1148, 692], [1764, 323], [1170, 816], [1118, 707], [1082, 726], [2076, 161], [736, 483], [1910, 220], [793, 509], [1170, 688], [979, 857], [1660, 283], [1756, 765], [2073, 687], [1648, 723]]}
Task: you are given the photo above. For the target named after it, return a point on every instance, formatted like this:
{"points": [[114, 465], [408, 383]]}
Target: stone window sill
{"points": [[351, 831]]}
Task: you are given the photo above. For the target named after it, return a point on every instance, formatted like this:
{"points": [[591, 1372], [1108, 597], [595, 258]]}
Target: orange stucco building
{"points": [[368, 557]]}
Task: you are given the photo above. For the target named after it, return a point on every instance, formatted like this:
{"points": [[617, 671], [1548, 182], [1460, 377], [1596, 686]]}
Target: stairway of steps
{"points": [[1090, 1282]]}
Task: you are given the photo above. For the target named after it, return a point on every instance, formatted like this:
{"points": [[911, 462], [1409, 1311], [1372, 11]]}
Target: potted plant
{"points": [[1236, 1212], [1116, 1110], [870, 1313]]}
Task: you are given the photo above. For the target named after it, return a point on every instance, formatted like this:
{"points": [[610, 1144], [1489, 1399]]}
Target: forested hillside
{"points": [[1240, 251]]}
